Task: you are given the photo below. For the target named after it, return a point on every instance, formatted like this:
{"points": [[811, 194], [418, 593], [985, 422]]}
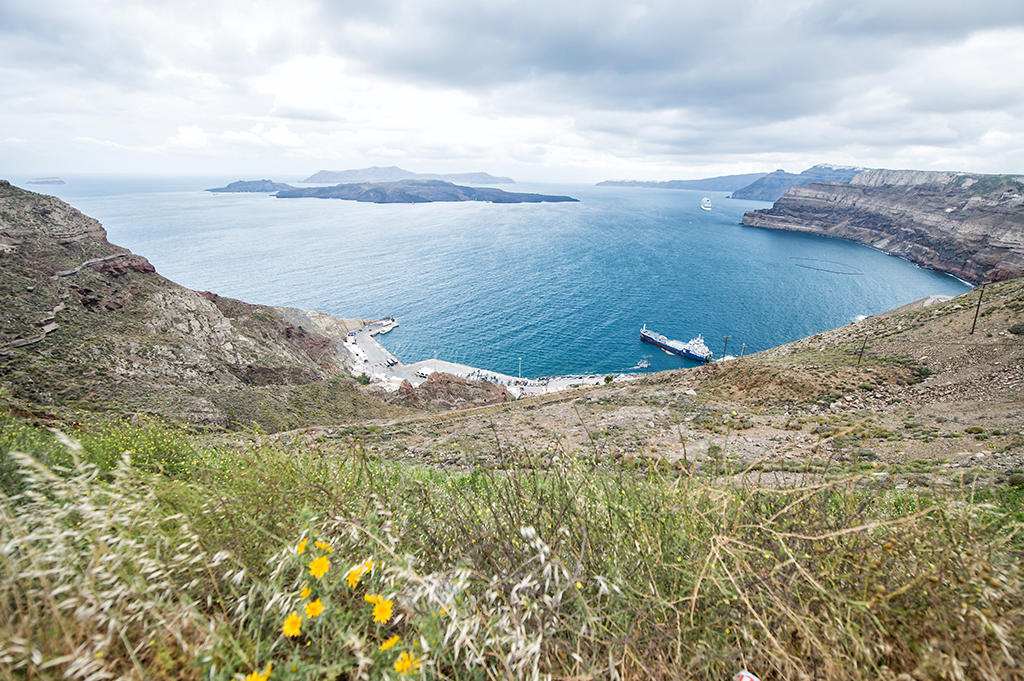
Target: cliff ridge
{"points": [[88, 325], [968, 225]]}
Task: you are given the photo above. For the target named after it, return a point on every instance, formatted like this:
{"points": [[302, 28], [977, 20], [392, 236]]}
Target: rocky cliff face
{"points": [[89, 325], [971, 226]]}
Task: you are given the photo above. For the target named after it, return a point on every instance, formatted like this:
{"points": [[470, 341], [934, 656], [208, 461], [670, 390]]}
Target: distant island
{"points": [[394, 174], [721, 183], [773, 185], [416, 191], [255, 186], [754, 186], [45, 180]]}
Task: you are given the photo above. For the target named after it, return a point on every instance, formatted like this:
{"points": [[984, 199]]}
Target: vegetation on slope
{"points": [[88, 326], [182, 561]]}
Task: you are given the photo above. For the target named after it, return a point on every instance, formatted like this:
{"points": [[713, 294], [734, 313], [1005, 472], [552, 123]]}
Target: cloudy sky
{"points": [[578, 91]]}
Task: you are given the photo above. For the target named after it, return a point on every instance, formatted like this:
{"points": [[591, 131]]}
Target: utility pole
{"points": [[726, 345], [862, 346], [743, 350], [520, 367], [981, 294]]}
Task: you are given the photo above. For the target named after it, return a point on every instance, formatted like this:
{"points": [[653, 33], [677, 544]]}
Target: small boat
{"points": [[705, 203], [694, 348]]}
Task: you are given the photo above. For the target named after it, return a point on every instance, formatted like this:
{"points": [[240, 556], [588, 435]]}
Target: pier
{"points": [[383, 368]]}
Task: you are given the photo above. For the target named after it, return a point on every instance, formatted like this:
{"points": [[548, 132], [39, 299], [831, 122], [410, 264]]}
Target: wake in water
{"points": [[817, 264]]}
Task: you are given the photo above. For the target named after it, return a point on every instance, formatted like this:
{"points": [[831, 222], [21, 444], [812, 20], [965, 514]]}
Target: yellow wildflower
{"points": [[323, 546], [292, 625], [301, 548], [367, 566], [353, 576], [382, 611], [257, 676], [319, 567], [391, 642], [407, 663], [381, 607], [305, 593], [315, 608]]}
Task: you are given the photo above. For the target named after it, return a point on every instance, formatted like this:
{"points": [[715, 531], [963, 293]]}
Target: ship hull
{"points": [[674, 351]]}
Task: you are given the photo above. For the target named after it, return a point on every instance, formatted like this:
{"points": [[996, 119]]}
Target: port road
{"points": [[370, 357]]}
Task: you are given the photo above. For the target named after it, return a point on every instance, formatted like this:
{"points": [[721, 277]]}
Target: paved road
{"points": [[383, 367]]}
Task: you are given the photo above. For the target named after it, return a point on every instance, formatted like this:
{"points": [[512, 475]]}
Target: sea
{"points": [[553, 288]]}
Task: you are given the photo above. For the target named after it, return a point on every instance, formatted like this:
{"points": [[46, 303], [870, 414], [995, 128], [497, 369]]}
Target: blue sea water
{"points": [[564, 286]]}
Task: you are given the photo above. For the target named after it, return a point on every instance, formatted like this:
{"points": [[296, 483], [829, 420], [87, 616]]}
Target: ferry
{"points": [[694, 349], [705, 203]]}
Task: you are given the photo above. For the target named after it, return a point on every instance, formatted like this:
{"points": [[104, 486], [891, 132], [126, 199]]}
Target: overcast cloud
{"points": [[537, 90]]}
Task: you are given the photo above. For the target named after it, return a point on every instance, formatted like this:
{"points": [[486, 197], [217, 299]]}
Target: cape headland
{"points": [[416, 191], [970, 226]]}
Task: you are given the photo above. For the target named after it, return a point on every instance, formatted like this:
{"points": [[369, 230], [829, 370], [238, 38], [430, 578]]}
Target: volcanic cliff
{"points": [[89, 325], [971, 226]]}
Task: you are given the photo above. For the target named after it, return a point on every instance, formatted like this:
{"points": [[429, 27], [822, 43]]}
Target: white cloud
{"points": [[656, 89], [189, 136], [260, 136]]}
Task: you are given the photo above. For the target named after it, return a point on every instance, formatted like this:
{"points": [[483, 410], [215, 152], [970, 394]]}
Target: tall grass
{"points": [[572, 572]]}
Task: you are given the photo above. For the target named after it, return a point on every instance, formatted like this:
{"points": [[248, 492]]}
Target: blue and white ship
{"points": [[694, 349]]}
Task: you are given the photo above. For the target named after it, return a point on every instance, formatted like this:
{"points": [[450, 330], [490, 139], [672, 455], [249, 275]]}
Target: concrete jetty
{"points": [[383, 368]]}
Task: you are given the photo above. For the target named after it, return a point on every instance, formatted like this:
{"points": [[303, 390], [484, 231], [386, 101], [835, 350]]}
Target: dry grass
{"points": [[575, 572]]}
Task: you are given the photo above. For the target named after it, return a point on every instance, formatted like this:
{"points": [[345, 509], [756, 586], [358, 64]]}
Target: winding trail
{"points": [[87, 263]]}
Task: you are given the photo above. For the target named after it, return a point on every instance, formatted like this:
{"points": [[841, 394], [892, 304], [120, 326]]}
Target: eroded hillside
{"points": [[88, 325]]}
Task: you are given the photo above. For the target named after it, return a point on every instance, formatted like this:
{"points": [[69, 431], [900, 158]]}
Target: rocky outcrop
{"points": [[444, 391], [773, 185], [394, 174], [89, 325], [971, 226], [416, 191], [253, 186]]}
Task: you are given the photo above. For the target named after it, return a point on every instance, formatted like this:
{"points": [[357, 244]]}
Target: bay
{"points": [[564, 286]]}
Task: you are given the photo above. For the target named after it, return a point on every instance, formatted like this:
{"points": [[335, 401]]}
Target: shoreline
{"points": [[385, 370]]}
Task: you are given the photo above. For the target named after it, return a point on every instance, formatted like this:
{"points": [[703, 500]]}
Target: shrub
{"points": [[576, 572]]}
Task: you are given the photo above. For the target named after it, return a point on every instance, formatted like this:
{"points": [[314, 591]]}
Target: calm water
{"points": [[564, 286]]}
